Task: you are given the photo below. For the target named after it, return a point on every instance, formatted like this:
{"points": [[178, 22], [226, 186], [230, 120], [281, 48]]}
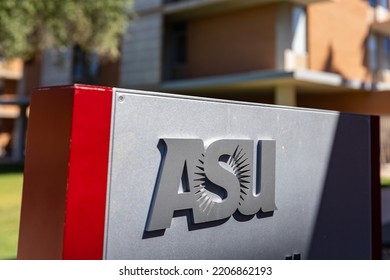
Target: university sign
{"points": [[121, 174]]}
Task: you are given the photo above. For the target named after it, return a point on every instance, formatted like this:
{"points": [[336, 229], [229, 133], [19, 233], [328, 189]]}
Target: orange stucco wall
{"points": [[337, 33], [232, 42]]}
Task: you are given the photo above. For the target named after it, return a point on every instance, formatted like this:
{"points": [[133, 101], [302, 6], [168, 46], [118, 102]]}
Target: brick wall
{"points": [[232, 42], [337, 33]]}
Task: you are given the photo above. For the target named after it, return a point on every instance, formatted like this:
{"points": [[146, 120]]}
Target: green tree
{"points": [[28, 27]]}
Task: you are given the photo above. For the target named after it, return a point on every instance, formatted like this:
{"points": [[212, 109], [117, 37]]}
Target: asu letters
{"points": [[213, 181]]}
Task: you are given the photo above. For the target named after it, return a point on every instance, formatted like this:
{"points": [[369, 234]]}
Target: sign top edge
{"points": [[226, 101]]}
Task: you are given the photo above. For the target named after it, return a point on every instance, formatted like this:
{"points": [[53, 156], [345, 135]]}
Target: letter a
{"points": [[179, 158]]}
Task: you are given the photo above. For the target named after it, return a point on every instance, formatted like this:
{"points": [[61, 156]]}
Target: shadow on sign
{"points": [[348, 219], [192, 226]]}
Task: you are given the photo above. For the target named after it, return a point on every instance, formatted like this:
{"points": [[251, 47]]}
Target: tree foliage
{"points": [[28, 27]]}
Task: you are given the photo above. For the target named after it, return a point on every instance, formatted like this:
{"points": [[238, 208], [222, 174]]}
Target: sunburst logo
{"points": [[238, 164], [214, 181]]}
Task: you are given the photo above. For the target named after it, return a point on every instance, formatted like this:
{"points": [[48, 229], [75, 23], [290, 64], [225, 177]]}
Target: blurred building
{"points": [[329, 54], [10, 104]]}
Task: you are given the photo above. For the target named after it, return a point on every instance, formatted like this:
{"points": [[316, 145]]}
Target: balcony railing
{"points": [[380, 18]]}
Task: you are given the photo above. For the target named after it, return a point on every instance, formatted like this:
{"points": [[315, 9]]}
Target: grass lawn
{"points": [[385, 182], [10, 200]]}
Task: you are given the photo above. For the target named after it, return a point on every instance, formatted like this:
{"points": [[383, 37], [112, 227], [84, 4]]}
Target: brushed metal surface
{"points": [[322, 180]]}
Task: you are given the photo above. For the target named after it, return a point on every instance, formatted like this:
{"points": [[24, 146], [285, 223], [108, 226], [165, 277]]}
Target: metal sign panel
{"points": [[120, 174], [194, 178]]}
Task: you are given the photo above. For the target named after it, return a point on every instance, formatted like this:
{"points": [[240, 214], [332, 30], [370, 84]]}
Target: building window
{"points": [[372, 45], [85, 66], [378, 52], [385, 53], [179, 43], [382, 3], [299, 42], [176, 51]]}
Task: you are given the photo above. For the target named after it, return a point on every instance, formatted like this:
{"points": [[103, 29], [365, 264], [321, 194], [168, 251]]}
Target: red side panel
{"points": [[65, 178], [87, 179], [41, 230]]}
